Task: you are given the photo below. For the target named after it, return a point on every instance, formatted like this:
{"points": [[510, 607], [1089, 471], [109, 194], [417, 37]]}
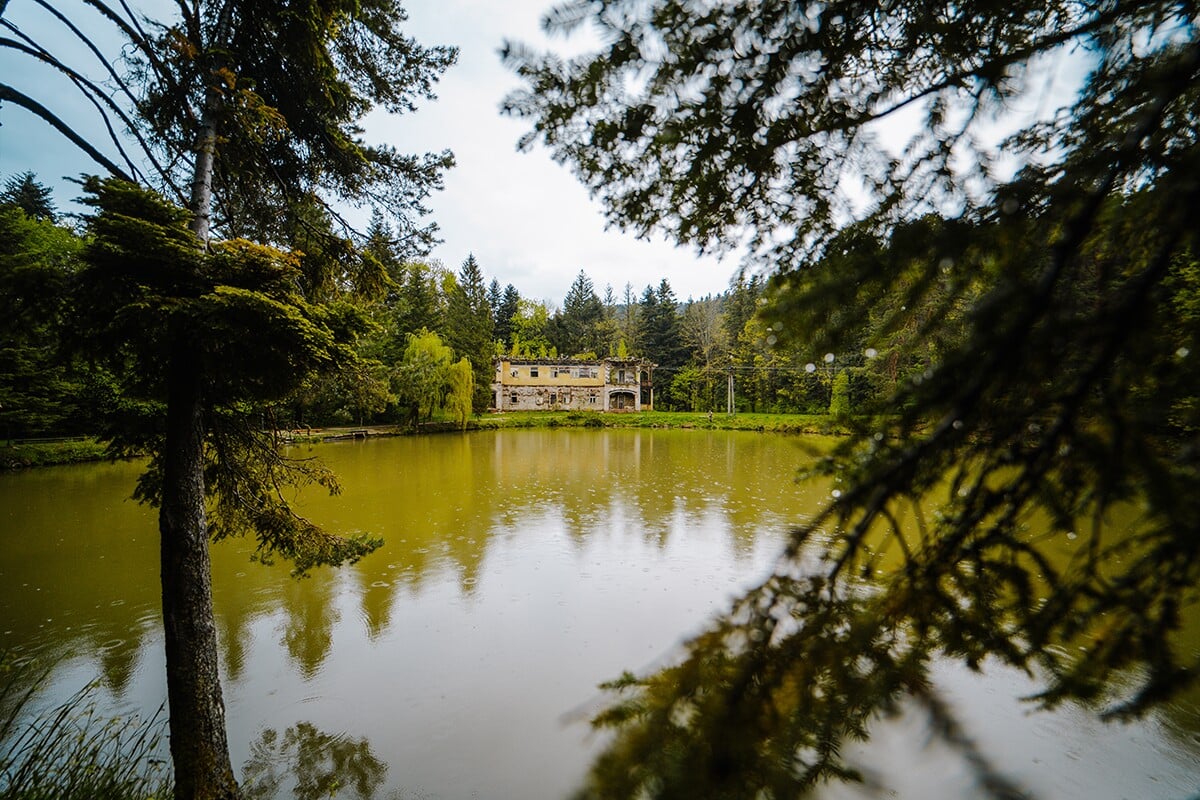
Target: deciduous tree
{"points": [[420, 379], [37, 264], [460, 379]]}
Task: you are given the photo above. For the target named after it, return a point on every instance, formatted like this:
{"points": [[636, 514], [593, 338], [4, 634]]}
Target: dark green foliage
{"points": [[506, 314], [1031, 336], [662, 342], [241, 68], [495, 298], [741, 304], [256, 106], [420, 304], [24, 192], [469, 327], [42, 453], [839, 400], [579, 323], [146, 281], [39, 391]]}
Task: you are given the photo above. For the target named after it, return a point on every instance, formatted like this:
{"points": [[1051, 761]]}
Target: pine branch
{"points": [[13, 96]]}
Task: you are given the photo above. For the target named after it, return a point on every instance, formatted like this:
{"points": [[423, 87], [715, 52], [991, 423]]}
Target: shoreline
{"points": [[51, 451]]}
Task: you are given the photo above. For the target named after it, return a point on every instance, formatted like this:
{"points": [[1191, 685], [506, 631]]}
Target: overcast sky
{"points": [[526, 219]]}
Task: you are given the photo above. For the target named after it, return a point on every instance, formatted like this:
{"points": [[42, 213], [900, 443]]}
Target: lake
{"points": [[520, 570]]}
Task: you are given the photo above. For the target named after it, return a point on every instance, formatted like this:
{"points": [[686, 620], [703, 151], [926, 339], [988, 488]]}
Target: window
{"points": [[620, 376], [592, 399], [533, 372], [553, 398], [513, 398]]}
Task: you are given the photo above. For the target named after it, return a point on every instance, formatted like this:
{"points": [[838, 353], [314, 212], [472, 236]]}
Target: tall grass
{"points": [[72, 751]]}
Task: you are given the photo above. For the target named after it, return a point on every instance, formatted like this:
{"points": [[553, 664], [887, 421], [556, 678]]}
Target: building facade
{"points": [[568, 384]]}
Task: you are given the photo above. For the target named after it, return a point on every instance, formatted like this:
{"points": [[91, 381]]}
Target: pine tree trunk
{"points": [[199, 749], [202, 173]]}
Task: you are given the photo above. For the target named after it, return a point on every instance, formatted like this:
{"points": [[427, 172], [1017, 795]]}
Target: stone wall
{"points": [[548, 398]]}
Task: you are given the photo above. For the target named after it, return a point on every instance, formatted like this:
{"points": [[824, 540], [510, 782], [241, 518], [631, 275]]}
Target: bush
{"points": [[839, 400]]}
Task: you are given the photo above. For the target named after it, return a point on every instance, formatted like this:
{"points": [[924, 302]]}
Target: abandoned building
{"points": [[568, 384]]}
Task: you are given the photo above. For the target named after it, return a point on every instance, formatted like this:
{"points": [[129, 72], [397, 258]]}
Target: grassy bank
{"points": [[18, 453], [775, 423], [768, 423]]}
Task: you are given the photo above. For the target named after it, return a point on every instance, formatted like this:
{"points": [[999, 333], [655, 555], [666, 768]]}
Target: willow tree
{"points": [[460, 377], [421, 376], [872, 156], [247, 114]]}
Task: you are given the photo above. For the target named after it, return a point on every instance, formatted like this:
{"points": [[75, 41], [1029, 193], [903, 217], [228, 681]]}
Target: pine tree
{"points": [[510, 306], [579, 322], [495, 299], [418, 306], [25, 193], [469, 327], [273, 139], [629, 320]]}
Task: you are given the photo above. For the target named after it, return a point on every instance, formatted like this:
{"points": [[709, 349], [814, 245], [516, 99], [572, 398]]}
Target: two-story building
{"points": [[568, 384]]}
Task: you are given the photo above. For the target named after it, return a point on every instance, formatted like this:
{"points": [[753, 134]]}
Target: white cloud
{"points": [[526, 219]]}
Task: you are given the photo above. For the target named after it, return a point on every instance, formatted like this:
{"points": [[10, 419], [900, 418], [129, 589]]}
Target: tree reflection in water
{"points": [[317, 765]]}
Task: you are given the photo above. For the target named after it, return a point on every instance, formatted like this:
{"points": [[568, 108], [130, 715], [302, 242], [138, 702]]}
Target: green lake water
{"points": [[520, 569]]}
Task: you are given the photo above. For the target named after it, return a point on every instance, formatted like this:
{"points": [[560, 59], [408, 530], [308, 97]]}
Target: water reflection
{"points": [[311, 764], [308, 626], [520, 570]]}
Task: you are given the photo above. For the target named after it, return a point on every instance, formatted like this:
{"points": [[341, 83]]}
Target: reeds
{"points": [[72, 751]]}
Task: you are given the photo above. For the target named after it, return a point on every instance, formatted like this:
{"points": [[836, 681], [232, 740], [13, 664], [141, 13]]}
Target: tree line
{"points": [[428, 338]]}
